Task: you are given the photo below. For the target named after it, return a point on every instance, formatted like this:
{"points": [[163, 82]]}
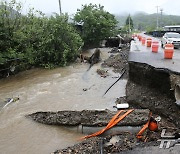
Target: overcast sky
{"points": [[171, 7]]}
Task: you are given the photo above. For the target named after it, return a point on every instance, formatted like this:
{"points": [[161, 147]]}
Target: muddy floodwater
{"points": [[51, 90]]}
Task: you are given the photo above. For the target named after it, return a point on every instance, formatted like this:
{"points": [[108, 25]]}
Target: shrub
{"points": [[35, 39], [97, 24]]}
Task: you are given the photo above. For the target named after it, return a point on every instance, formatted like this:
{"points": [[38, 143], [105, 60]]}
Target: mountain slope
{"points": [[143, 21]]}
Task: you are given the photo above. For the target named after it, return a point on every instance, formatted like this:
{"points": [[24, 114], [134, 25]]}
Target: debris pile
{"points": [[119, 62], [93, 59], [89, 118], [109, 144]]}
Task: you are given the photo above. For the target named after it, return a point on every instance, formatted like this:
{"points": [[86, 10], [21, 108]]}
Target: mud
{"points": [[89, 118]]}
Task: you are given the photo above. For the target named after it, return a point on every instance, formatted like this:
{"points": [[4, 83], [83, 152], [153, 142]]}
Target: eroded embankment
{"points": [[153, 88]]}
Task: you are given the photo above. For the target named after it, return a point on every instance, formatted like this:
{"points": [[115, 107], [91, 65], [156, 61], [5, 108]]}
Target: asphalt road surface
{"points": [[143, 54]]}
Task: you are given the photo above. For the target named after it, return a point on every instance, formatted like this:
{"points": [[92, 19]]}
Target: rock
{"points": [[103, 73], [115, 139]]}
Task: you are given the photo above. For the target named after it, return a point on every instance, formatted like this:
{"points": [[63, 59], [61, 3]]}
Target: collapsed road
{"points": [[149, 88], [154, 81]]}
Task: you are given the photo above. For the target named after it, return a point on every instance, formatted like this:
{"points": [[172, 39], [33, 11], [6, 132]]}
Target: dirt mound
{"points": [[118, 61]]}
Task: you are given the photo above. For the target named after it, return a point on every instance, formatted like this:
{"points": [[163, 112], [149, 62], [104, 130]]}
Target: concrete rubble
{"points": [[89, 118]]}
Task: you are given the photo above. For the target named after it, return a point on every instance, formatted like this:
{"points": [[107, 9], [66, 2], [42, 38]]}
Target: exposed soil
{"points": [[119, 60], [151, 88]]}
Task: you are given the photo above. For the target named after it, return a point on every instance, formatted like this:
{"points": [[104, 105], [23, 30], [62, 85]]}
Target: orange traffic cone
{"points": [[153, 126]]}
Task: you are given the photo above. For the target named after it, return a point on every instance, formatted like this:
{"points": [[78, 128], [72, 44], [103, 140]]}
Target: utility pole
{"points": [[129, 24], [161, 17], [60, 7], [157, 18]]}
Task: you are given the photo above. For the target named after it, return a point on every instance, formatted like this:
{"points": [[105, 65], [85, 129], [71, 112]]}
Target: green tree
{"points": [[60, 42], [35, 40], [129, 24], [97, 24]]}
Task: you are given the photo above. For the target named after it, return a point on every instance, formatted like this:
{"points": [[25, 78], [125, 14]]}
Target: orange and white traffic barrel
{"points": [[155, 46], [148, 42], [168, 51], [143, 40]]}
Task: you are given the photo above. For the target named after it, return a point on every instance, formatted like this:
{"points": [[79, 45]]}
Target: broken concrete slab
{"points": [[89, 117]]}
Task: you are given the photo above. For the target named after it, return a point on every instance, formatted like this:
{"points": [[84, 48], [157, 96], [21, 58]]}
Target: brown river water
{"points": [[51, 90]]}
